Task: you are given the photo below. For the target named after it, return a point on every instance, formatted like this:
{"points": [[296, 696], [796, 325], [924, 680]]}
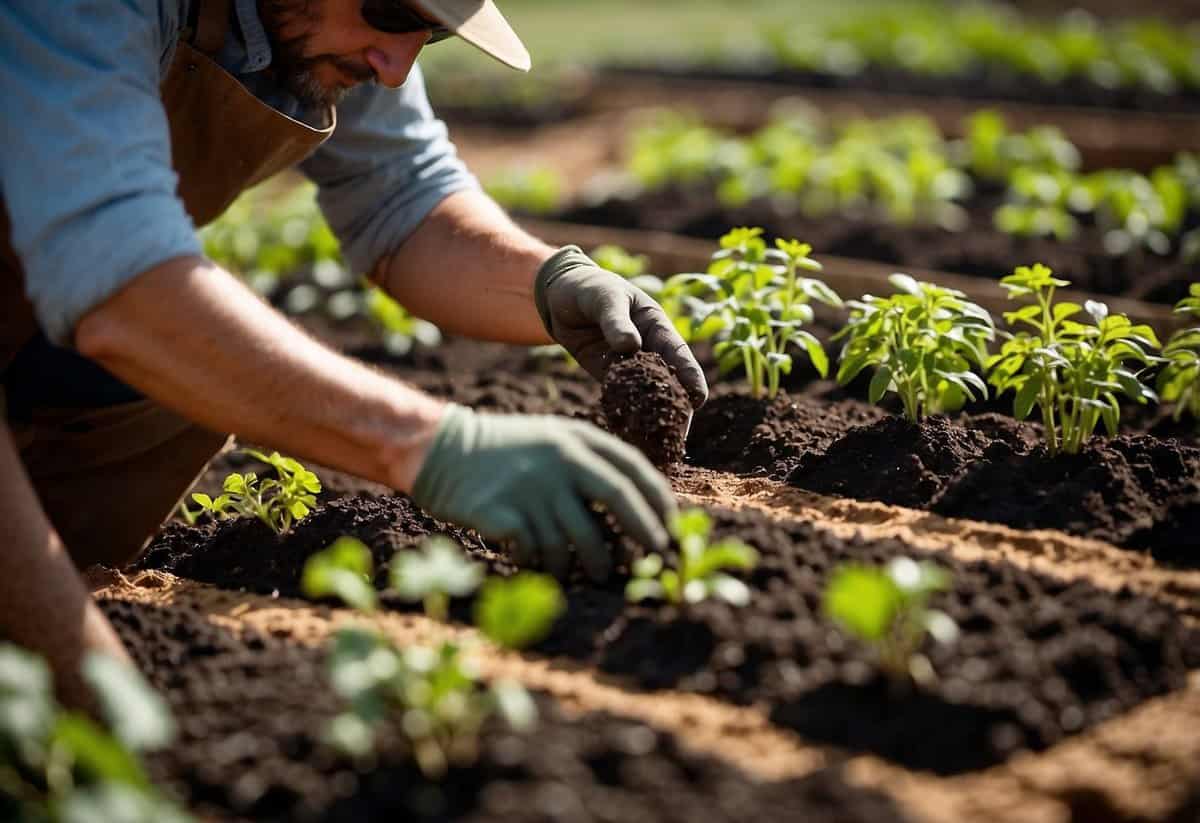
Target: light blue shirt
{"points": [[85, 155]]}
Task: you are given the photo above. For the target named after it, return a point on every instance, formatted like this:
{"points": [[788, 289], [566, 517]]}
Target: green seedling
{"points": [[345, 570], [516, 612], [537, 190], [434, 574], [702, 566], [436, 693], [279, 502], [887, 609], [1179, 380], [922, 342], [57, 765], [754, 301], [401, 330], [1073, 372]]}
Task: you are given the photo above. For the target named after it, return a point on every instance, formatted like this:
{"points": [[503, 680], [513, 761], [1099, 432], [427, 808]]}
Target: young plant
{"points": [[434, 574], [57, 765], [1073, 372], [702, 566], [437, 693], [345, 570], [922, 342], [755, 301], [401, 330], [887, 609], [1179, 380], [278, 502]]}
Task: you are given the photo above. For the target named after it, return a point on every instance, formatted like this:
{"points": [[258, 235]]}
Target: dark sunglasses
{"points": [[397, 17]]}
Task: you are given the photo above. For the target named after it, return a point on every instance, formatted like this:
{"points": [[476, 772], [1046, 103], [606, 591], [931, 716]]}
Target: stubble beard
{"points": [[296, 71]]}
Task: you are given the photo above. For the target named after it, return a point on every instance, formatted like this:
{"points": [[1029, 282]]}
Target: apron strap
{"points": [[211, 25]]}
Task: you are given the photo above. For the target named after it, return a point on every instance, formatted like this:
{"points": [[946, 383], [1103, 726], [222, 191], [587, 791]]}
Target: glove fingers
{"points": [[508, 524], [633, 464], [595, 357], [552, 543], [616, 323], [659, 335], [603, 483], [589, 545]]}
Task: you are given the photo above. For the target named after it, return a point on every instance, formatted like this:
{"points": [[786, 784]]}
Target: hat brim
{"points": [[482, 25]]}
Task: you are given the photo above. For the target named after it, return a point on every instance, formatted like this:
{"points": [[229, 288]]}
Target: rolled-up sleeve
{"points": [[85, 155], [387, 165]]}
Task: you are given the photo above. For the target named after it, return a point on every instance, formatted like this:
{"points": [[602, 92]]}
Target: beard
{"points": [[289, 25]]}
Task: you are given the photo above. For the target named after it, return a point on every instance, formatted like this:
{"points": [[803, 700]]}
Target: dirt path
{"points": [[1142, 766], [1047, 552]]}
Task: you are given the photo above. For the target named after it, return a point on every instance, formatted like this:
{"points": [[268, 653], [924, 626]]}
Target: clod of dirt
{"points": [[645, 406]]}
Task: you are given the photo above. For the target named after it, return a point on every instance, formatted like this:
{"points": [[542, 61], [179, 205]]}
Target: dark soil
{"points": [[1038, 659], [736, 433], [251, 709], [990, 83], [644, 405], [1136, 491], [980, 251]]}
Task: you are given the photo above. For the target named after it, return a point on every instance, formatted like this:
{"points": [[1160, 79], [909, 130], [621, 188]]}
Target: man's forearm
{"points": [[44, 605], [469, 269], [195, 339]]}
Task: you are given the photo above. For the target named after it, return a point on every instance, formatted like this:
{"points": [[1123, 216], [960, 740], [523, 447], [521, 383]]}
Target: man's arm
{"points": [[470, 269], [195, 339], [46, 606]]}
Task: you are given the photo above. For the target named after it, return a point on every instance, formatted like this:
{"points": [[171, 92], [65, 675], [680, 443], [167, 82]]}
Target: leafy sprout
{"points": [[1073, 372], [702, 566], [401, 329], [344, 570], [923, 343], [436, 693], [277, 502], [887, 609], [518, 611], [531, 190], [754, 301], [59, 765], [1179, 380], [434, 574]]}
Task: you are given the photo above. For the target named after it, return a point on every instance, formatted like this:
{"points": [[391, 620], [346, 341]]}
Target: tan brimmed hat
{"points": [[482, 25]]}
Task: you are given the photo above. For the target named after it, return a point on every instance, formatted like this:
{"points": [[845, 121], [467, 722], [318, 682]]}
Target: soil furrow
{"points": [[1048, 552], [1141, 766]]}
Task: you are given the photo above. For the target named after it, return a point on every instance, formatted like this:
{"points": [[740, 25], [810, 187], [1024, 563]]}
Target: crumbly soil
{"points": [[252, 708], [980, 250], [1038, 660], [1135, 491], [645, 405]]}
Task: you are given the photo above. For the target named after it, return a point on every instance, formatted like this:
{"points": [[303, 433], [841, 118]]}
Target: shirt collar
{"points": [[258, 48]]}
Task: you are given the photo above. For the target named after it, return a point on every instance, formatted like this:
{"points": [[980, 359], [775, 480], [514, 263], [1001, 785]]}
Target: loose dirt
{"points": [[645, 405]]}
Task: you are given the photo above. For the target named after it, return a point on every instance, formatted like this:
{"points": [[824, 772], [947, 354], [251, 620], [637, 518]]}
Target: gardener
{"points": [[127, 357]]}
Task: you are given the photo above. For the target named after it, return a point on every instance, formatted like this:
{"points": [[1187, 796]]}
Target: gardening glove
{"points": [[530, 479], [595, 314]]}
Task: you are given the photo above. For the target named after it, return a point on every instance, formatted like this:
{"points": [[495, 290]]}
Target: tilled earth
{"points": [[1056, 653]]}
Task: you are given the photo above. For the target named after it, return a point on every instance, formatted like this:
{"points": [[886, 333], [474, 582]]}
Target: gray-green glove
{"points": [[592, 313], [529, 478]]}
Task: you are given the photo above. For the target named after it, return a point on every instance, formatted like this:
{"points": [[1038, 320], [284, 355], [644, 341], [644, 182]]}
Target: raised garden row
{"points": [[252, 710]]}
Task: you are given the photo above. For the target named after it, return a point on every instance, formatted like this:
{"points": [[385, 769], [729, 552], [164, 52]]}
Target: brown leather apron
{"points": [[223, 141]]}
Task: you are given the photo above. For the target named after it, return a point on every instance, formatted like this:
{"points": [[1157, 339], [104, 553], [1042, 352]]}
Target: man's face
{"points": [[323, 48]]}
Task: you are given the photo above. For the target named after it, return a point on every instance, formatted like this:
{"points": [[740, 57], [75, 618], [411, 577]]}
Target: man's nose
{"points": [[392, 56]]}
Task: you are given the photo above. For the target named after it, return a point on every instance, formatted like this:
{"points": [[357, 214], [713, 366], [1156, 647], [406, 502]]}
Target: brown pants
{"points": [[107, 478]]}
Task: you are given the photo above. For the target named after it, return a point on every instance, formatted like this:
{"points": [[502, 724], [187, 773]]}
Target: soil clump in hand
{"points": [[645, 406]]}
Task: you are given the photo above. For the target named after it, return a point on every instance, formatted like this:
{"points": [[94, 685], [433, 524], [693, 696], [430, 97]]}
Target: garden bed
{"points": [[979, 251]]}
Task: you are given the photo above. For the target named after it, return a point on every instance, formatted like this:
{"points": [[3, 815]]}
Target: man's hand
{"points": [[594, 313], [530, 479]]}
